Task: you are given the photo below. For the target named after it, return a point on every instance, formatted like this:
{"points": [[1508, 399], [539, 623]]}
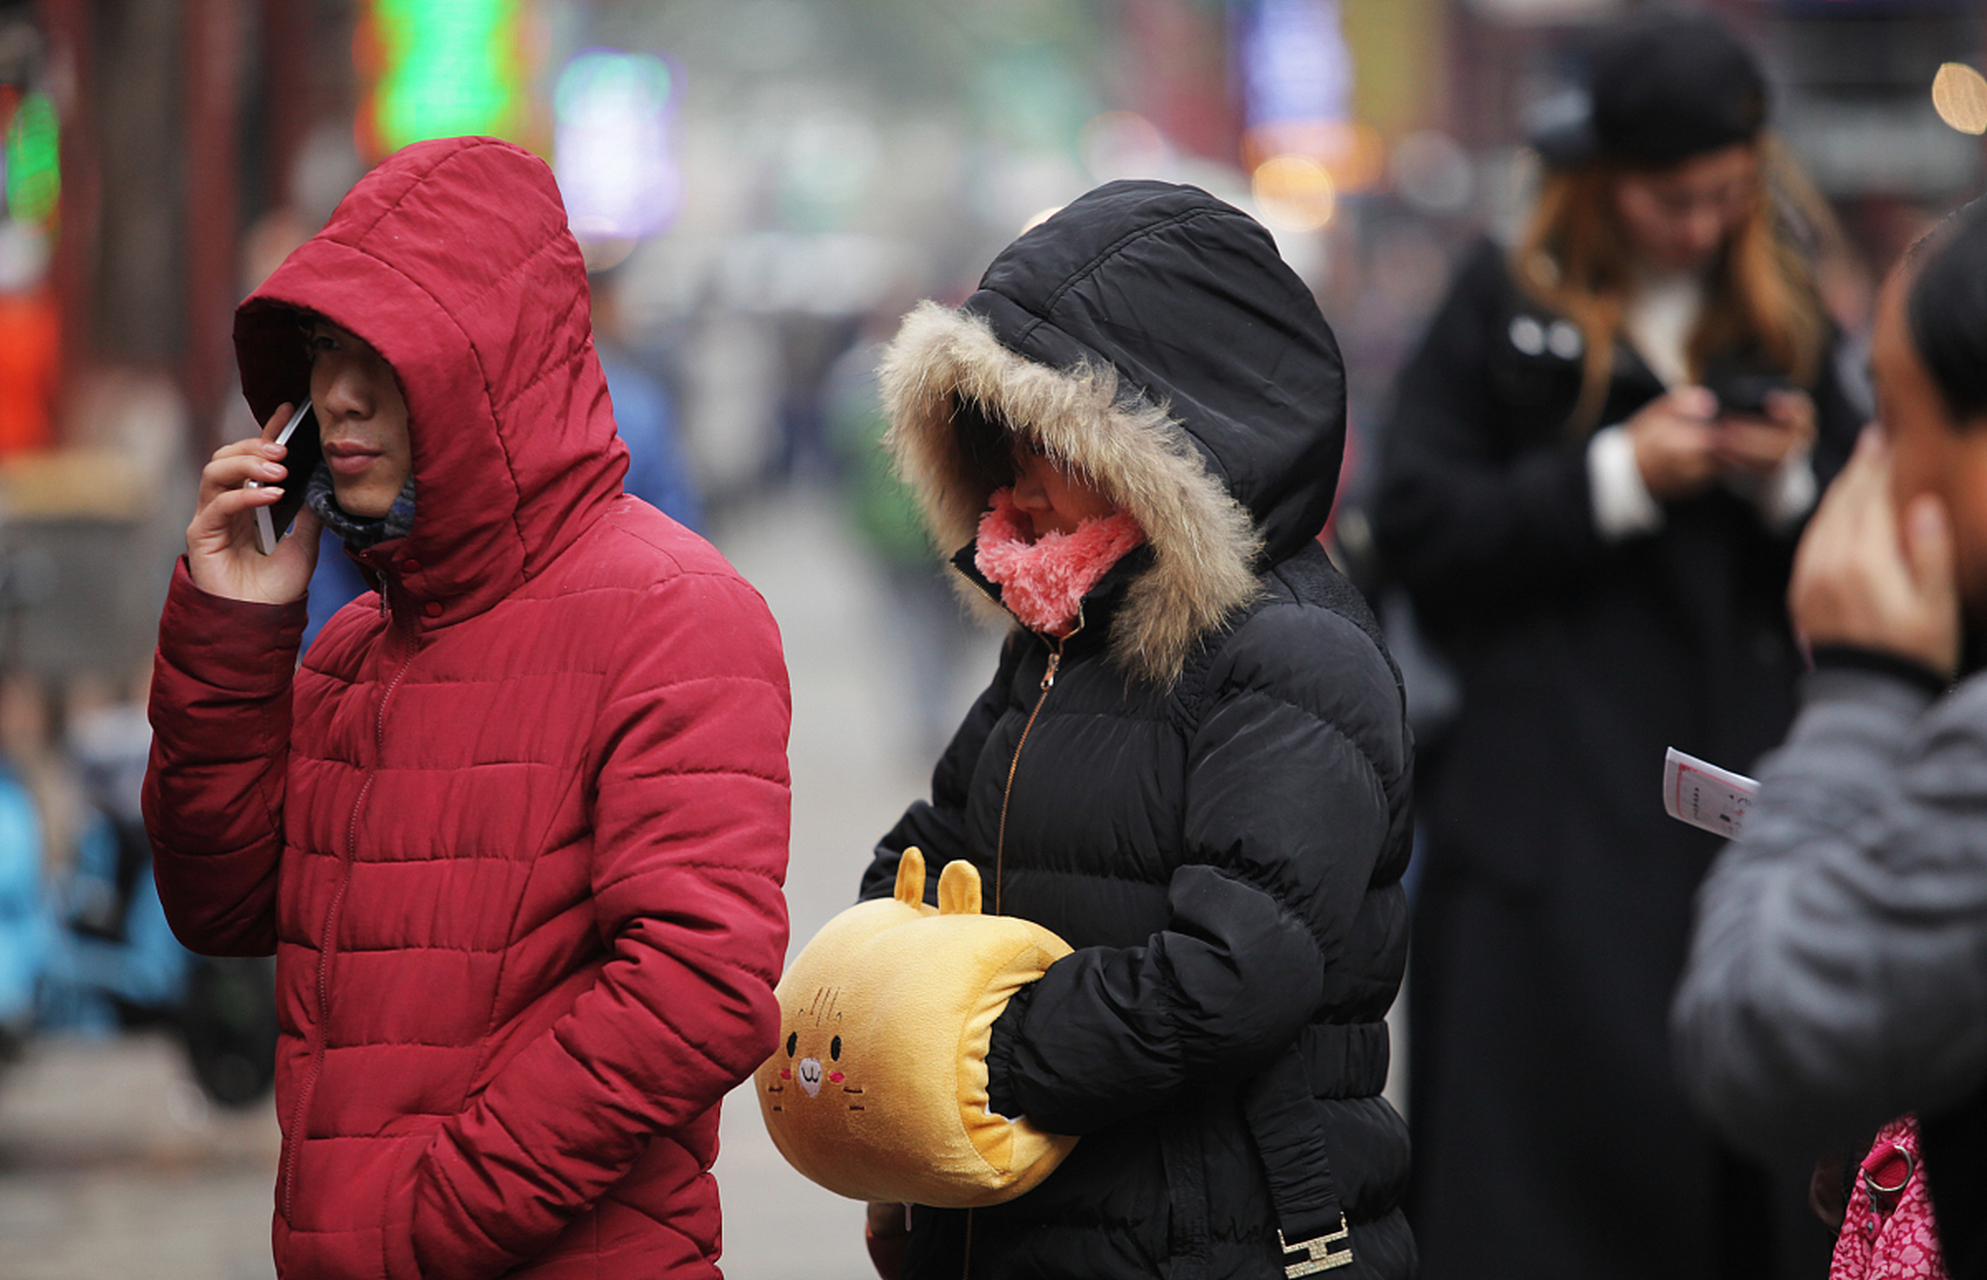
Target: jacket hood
{"points": [[1150, 336], [453, 260]]}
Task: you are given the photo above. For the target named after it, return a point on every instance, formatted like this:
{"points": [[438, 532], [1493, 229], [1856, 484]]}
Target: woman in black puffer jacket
{"points": [[1201, 783]]}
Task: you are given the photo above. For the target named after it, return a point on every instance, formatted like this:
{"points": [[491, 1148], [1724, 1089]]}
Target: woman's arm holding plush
{"points": [[1296, 773]]}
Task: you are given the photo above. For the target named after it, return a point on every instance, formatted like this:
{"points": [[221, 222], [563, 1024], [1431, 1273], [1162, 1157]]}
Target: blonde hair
{"points": [[1575, 259]]}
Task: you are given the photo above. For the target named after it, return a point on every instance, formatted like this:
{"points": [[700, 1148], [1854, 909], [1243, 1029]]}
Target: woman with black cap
{"points": [[1597, 466]]}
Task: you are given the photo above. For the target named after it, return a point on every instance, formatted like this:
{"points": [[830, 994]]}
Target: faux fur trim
{"points": [[1043, 580], [1204, 542]]}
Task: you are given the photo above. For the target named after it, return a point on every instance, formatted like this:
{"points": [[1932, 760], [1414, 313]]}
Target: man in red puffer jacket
{"points": [[516, 827]]}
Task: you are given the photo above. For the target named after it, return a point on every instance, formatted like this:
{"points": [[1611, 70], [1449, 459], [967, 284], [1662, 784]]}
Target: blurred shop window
{"points": [[30, 342], [30, 325], [440, 69]]}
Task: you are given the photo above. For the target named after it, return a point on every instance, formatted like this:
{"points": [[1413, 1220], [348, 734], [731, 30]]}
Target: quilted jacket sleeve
{"points": [[214, 789], [1295, 773], [1838, 974], [690, 816]]}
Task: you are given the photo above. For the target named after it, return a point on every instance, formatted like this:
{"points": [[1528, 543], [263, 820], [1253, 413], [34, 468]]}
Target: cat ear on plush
{"points": [[959, 889], [910, 888]]}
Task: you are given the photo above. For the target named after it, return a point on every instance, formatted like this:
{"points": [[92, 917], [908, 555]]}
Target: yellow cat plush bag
{"points": [[878, 1090]]}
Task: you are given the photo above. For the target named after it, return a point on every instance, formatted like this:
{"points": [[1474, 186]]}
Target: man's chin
{"points": [[362, 503]]}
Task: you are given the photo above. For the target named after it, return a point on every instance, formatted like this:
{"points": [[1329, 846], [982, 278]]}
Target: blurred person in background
{"points": [[1836, 978], [26, 936], [935, 636], [515, 828], [1597, 466], [1192, 762], [659, 473]]}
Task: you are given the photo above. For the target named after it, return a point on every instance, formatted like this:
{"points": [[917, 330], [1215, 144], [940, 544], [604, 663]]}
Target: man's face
{"points": [[1931, 453], [363, 419]]}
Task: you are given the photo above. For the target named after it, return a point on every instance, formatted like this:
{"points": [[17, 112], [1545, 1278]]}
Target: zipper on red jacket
{"points": [[327, 941], [1014, 763]]}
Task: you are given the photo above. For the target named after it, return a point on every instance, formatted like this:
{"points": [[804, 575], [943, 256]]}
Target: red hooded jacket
{"points": [[516, 828]]}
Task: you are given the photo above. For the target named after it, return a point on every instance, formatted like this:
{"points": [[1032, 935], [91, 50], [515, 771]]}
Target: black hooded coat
{"points": [[1207, 794]]}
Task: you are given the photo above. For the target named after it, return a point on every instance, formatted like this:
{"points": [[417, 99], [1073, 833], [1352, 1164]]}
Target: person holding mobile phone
{"points": [[515, 826], [1590, 488]]}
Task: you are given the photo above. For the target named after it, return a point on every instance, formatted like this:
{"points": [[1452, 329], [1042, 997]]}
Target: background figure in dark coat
{"points": [[1600, 546], [1203, 788]]}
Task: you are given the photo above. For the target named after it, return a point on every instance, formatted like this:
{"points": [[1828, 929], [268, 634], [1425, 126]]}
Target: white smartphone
{"points": [[306, 451]]}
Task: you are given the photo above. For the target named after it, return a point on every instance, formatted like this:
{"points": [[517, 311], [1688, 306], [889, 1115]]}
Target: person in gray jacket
{"points": [[1838, 973]]}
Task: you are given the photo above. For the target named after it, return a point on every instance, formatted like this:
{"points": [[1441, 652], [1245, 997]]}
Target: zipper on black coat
{"points": [[1014, 763]]}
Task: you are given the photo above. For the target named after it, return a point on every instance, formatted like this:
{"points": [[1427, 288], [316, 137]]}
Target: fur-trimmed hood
{"points": [[1149, 336]]}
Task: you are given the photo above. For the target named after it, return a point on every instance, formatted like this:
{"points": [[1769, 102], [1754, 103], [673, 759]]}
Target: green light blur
{"points": [[450, 68], [34, 176], [640, 80]]}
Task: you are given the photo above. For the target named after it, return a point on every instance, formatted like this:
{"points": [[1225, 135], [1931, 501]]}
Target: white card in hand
{"points": [[1706, 796]]}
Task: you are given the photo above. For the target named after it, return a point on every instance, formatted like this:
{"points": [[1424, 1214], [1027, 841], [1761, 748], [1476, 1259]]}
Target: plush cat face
{"points": [[815, 1050], [877, 1090]]}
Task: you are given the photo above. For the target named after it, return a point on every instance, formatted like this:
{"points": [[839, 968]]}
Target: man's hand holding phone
{"points": [[223, 552]]}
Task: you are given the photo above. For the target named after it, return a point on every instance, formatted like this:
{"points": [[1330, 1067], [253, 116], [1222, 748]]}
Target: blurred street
{"points": [[112, 1162]]}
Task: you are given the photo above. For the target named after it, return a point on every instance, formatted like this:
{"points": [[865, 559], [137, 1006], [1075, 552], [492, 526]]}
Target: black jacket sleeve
{"points": [[1288, 802]]}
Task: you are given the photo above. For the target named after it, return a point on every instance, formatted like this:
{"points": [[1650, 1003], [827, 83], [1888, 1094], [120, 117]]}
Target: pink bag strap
{"points": [[1887, 1232]]}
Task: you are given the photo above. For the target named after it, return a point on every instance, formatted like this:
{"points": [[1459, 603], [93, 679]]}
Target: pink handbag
{"points": [[1887, 1233]]}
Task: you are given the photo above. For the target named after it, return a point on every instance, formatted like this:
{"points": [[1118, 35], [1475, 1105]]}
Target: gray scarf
{"points": [[359, 532]]}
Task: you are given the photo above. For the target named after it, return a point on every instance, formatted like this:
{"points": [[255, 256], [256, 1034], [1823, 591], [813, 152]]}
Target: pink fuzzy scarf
{"points": [[1044, 581]]}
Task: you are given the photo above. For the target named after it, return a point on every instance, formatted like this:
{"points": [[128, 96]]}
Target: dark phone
{"points": [[1746, 393], [306, 451]]}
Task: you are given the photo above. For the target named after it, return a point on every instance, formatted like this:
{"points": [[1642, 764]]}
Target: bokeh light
{"points": [[448, 67], [1037, 218], [1294, 193], [1959, 95], [1432, 172], [612, 145], [33, 147], [1124, 144]]}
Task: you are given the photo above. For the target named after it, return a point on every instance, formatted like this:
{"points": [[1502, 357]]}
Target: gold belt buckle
{"points": [[1318, 1255]]}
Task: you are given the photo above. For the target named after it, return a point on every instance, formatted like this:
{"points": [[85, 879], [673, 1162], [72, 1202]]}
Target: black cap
{"points": [[1660, 88]]}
